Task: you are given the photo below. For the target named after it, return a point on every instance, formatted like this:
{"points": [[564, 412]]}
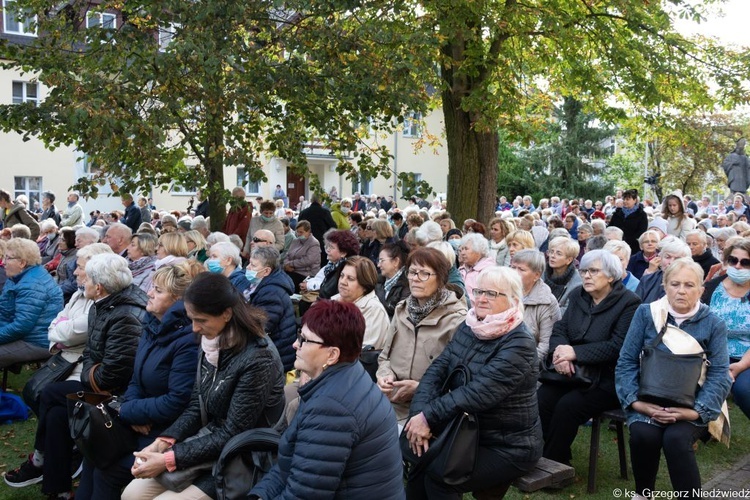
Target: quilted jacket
{"points": [[272, 295], [28, 304], [115, 326], [342, 442], [17, 214], [164, 371], [399, 292], [238, 395]]}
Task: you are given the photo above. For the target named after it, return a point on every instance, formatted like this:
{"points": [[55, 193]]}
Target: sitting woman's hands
{"points": [[403, 391], [142, 429], [664, 415], [158, 446], [563, 358], [385, 384], [148, 464], [418, 433]]}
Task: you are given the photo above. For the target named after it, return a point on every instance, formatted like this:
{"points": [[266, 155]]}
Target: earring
{"points": [[325, 366]]}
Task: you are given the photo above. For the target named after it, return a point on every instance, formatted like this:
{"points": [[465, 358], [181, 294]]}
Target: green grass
{"points": [[18, 440]]}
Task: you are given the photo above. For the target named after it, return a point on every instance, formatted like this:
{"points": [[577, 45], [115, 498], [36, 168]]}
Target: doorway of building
{"points": [[295, 187]]}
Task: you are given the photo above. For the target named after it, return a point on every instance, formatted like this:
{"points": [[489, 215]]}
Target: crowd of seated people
{"points": [[537, 291]]}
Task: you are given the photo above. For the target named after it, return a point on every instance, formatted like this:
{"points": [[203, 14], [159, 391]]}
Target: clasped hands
{"points": [[149, 462], [418, 433], [563, 359], [397, 391], [664, 415]]}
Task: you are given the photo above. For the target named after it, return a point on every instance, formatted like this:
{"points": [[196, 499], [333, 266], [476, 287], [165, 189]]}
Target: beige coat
{"points": [[376, 319], [408, 352], [540, 313]]}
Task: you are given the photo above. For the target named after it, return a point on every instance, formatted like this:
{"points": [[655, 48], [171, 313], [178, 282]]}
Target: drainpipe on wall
{"points": [[395, 166]]}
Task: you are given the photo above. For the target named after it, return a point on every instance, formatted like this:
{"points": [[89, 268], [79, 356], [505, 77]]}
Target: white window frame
{"points": [[250, 187], [362, 184], [24, 97], [32, 194], [101, 18], [23, 26], [411, 125], [166, 35]]}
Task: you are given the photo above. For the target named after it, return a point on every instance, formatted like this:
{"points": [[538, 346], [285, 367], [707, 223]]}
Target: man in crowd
{"points": [[132, 217], [73, 215]]}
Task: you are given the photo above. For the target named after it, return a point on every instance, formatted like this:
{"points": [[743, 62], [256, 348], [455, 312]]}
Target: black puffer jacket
{"points": [[502, 391], [115, 326], [398, 293], [633, 226], [240, 394], [596, 332]]}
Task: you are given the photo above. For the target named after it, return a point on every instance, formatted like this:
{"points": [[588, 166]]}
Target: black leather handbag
{"points": [[669, 379], [56, 369], [583, 377], [96, 429], [452, 454]]}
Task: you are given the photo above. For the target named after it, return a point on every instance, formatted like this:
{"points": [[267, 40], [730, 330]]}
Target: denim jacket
{"points": [[711, 334]]}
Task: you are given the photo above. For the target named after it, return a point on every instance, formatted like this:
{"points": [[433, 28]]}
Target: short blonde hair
{"points": [[196, 237], [25, 250], [174, 244], [176, 278], [505, 279], [569, 247], [520, 236]]}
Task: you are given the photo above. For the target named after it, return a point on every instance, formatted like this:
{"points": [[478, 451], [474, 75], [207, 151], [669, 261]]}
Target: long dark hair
{"points": [[212, 294]]}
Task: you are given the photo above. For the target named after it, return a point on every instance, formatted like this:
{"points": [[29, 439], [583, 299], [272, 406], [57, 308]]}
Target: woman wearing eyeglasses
{"points": [[393, 283], [561, 275], [341, 443], [728, 296], [588, 337], [500, 354], [422, 326]]}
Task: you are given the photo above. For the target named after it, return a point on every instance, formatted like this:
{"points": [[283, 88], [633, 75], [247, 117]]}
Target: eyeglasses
{"points": [[258, 240], [380, 261], [733, 261], [301, 341], [419, 275], [490, 294], [591, 271]]}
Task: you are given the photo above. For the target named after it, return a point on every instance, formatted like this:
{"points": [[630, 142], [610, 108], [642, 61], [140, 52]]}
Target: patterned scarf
{"points": [[330, 267], [630, 211], [417, 313], [494, 325], [558, 284], [392, 281]]}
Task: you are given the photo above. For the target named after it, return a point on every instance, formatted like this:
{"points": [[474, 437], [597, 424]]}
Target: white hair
{"points": [[110, 271]]}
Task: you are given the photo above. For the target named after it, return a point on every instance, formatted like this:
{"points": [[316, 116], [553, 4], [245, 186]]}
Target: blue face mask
{"points": [[301, 237], [455, 243], [214, 266], [266, 219], [739, 276], [252, 276]]}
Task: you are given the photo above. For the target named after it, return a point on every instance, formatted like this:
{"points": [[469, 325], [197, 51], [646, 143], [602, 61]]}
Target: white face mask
{"points": [[739, 276], [345, 210]]}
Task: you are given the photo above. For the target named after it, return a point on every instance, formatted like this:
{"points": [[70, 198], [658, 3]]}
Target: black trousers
{"points": [[53, 436], [563, 410], [677, 440], [493, 471]]}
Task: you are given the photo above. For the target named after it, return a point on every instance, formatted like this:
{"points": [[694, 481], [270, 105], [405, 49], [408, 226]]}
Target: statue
{"points": [[737, 168]]}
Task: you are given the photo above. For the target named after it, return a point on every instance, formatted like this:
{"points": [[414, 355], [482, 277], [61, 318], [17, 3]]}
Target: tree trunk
{"points": [[472, 165], [214, 165]]}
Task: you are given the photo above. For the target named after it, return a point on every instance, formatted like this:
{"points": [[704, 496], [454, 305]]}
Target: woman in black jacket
{"points": [[500, 354], [393, 283], [241, 386], [590, 334], [631, 219], [115, 325]]}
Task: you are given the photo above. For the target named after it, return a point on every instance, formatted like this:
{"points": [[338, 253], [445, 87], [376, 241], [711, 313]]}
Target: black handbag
{"points": [[369, 359], [97, 431], [56, 369], [583, 377], [452, 454], [669, 379], [244, 461]]}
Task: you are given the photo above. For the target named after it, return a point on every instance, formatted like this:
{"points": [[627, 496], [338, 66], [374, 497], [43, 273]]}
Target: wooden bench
{"points": [[618, 418], [17, 367], [547, 474]]}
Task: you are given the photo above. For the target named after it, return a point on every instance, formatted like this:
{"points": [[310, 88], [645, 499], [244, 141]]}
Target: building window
{"points": [[25, 92], [411, 125], [17, 22], [166, 35], [31, 187], [243, 180], [101, 19], [362, 184]]}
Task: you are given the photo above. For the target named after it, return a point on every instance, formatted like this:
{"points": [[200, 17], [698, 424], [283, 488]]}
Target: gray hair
{"points": [[20, 231], [217, 237], [428, 232], [614, 232], [235, 240], [47, 225], [268, 256], [446, 249], [558, 232], [505, 279], [723, 232], [88, 233], [477, 242], [110, 271], [675, 247], [228, 249], [648, 233], [199, 222], [611, 266], [89, 251], [682, 263], [598, 224], [532, 258], [700, 234], [616, 246]]}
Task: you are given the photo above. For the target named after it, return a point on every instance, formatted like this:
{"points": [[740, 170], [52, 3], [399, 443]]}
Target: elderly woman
{"points": [[561, 275], [674, 429], [240, 387], [167, 223], [303, 257], [48, 240], [270, 290], [393, 282], [540, 308], [357, 285], [29, 302], [678, 222], [224, 258], [651, 286], [621, 250], [163, 377], [474, 255], [340, 213], [499, 229], [141, 257], [196, 244], [728, 296], [631, 218], [171, 249], [649, 244], [339, 245], [65, 254], [500, 354], [588, 336], [422, 326], [341, 442], [721, 236], [107, 366]]}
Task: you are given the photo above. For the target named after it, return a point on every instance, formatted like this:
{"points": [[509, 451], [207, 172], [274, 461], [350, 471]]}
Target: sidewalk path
{"points": [[737, 478]]}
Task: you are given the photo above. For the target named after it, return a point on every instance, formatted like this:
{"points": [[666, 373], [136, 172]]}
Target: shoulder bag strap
{"points": [[204, 415]]}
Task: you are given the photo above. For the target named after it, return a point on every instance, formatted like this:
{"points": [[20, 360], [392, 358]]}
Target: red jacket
{"points": [[238, 221]]}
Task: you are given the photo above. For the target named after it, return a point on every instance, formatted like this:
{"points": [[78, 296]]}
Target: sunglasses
{"points": [[258, 240], [733, 261]]}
